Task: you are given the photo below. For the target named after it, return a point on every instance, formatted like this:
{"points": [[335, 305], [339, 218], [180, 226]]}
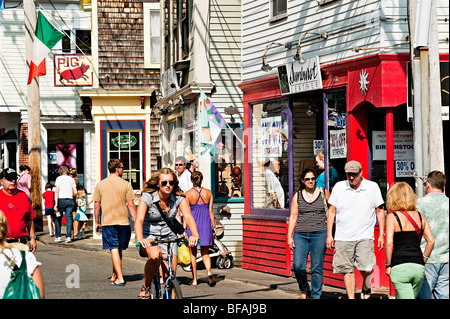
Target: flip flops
{"points": [[115, 284], [211, 281]]}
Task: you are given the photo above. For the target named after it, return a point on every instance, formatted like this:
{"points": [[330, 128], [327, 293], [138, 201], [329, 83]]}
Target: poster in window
{"points": [[271, 137], [66, 154], [338, 144]]}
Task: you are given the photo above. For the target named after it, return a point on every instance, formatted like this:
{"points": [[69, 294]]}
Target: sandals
{"points": [[365, 294], [146, 294], [211, 281]]}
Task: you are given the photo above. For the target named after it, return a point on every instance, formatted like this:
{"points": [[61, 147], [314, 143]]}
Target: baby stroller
{"points": [[218, 252]]}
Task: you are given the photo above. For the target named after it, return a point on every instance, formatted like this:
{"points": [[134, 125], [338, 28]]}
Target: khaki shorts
{"points": [[351, 254]]}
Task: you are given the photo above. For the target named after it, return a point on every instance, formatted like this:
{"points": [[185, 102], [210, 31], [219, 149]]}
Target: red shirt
{"points": [[18, 211], [49, 199]]}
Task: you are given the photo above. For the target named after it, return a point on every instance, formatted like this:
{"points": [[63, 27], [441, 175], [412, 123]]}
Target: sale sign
{"points": [[338, 144]]}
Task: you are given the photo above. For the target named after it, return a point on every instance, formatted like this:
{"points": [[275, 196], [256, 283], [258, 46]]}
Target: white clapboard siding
{"points": [[232, 223], [53, 100], [348, 24]]}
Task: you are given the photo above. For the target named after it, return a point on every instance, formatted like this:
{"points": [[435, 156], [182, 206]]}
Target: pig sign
{"points": [[73, 70]]}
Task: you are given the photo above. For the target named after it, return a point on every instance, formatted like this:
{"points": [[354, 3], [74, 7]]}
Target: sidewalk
{"points": [[270, 281]]}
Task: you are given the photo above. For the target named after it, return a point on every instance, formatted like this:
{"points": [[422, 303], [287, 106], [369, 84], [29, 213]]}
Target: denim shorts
{"points": [[351, 254], [116, 236], [163, 247]]}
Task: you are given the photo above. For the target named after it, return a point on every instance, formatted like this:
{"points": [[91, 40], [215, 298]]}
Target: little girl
{"points": [[81, 217], [49, 199]]}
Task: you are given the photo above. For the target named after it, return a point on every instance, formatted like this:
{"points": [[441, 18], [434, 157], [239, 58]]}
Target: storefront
{"points": [[358, 111]]}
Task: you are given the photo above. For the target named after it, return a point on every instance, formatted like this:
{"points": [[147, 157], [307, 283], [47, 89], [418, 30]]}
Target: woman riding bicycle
{"points": [[162, 188]]}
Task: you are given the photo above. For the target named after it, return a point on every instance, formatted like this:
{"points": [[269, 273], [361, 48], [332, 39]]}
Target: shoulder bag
{"points": [[175, 225], [21, 286], [324, 200]]}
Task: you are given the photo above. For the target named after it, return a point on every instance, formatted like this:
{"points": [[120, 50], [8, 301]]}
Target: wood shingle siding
{"points": [[121, 47]]}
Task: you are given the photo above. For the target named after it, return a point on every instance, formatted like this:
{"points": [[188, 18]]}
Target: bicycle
{"points": [[170, 288]]}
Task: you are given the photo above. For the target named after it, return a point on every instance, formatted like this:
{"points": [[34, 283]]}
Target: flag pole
{"points": [[34, 117], [232, 131]]}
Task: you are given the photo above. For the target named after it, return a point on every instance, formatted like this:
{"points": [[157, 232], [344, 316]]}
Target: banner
{"points": [[403, 145]]}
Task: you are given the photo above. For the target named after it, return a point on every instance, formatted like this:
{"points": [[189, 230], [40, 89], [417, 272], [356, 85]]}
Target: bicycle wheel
{"points": [[174, 289]]}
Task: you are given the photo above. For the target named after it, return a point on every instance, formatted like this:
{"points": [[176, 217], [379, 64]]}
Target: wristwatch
{"points": [[387, 266], [384, 234]]}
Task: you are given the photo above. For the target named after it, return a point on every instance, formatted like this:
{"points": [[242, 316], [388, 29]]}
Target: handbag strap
{"points": [[411, 220], [11, 262], [163, 215], [324, 200]]}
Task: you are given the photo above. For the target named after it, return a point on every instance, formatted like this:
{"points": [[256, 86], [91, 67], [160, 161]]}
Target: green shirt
{"points": [[434, 206]]}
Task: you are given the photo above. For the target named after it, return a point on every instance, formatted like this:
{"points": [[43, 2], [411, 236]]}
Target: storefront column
{"points": [[390, 168]]}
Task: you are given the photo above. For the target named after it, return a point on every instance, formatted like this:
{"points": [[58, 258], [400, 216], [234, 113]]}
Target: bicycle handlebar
{"points": [[180, 241]]}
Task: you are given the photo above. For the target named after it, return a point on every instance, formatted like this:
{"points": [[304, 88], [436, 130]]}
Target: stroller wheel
{"points": [[220, 263], [227, 263]]}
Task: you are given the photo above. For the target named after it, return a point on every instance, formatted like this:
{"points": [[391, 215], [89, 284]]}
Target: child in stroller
{"points": [[218, 252]]}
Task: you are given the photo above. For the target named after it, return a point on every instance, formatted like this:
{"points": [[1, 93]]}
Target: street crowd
{"points": [[414, 234]]}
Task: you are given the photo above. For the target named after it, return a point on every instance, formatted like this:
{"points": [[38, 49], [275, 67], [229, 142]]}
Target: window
{"points": [[76, 41], [126, 145], [152, 35], [184, 12], [270, 158], [228, 164], [278, 8]]}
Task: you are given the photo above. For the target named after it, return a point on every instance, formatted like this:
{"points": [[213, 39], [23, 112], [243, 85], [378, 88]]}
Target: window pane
{"points": [[270, 155], [113, 141], [229, 172], [279, 7], [135, 164], [135, 141]]}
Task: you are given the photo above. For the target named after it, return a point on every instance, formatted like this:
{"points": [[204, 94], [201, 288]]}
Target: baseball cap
{"points": [[9, 173], [352, 167]]}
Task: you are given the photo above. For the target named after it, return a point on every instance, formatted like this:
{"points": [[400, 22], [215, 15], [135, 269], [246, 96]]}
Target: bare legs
{"points": [[206, 261], [350, 283]]}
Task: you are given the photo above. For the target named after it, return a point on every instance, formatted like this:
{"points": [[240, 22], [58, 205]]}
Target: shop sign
{"points": [[338, 144], [298, 77], [73, 70], [404, 168], [403, 145], [271, 137], [318, 146], [169, 82], [124, 141]]}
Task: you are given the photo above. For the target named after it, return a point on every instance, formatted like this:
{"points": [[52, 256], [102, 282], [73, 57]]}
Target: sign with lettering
{"points": [[338, 144], [73, 70], [271, 137], [296, 77], [403, 145]]}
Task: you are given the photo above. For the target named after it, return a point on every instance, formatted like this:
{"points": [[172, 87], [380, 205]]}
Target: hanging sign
{"points": [[338, 144], [271, 137], [124, 141], [296, 77], [73, 70]]}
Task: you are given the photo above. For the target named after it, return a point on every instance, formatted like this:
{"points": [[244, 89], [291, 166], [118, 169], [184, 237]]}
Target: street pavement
{"points": [[269, 281]]}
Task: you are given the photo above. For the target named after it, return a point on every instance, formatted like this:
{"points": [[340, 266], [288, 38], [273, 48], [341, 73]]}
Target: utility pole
{"points": [[34, 117], [428, 132]]}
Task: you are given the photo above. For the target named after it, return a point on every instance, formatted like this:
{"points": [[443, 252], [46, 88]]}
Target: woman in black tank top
{"points": [[404, 230]]}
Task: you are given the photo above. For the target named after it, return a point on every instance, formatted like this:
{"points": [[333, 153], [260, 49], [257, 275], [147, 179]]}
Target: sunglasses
{"points": [[179, 164], [164, 183], [309, 179]]}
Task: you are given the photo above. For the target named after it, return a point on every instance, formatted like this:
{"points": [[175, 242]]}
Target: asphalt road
{"points": [[82, 274]]}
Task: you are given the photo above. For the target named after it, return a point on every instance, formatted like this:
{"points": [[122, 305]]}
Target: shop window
{"points": [[270, 155], [127, 146], [228, 164], [65, 147]]}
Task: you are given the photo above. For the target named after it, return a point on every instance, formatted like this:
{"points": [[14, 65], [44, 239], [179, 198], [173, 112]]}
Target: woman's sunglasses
{"points": [[164, 183], [309, 179]]}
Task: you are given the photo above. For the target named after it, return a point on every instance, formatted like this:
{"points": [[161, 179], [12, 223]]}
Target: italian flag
{"points": [[46, 37]]}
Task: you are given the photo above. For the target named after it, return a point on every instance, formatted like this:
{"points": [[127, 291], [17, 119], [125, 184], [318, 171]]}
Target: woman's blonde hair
{"points": [[4, 229], [152, 184], [401, 197]]}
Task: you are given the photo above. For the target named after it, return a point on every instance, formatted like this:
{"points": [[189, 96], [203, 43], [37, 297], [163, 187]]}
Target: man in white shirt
{"points": [[183, 174], [357, 204]]}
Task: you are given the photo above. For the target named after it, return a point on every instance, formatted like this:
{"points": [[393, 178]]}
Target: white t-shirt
{"points": [[355, 209], [5, 271], [184, 181], [66, 184]]}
